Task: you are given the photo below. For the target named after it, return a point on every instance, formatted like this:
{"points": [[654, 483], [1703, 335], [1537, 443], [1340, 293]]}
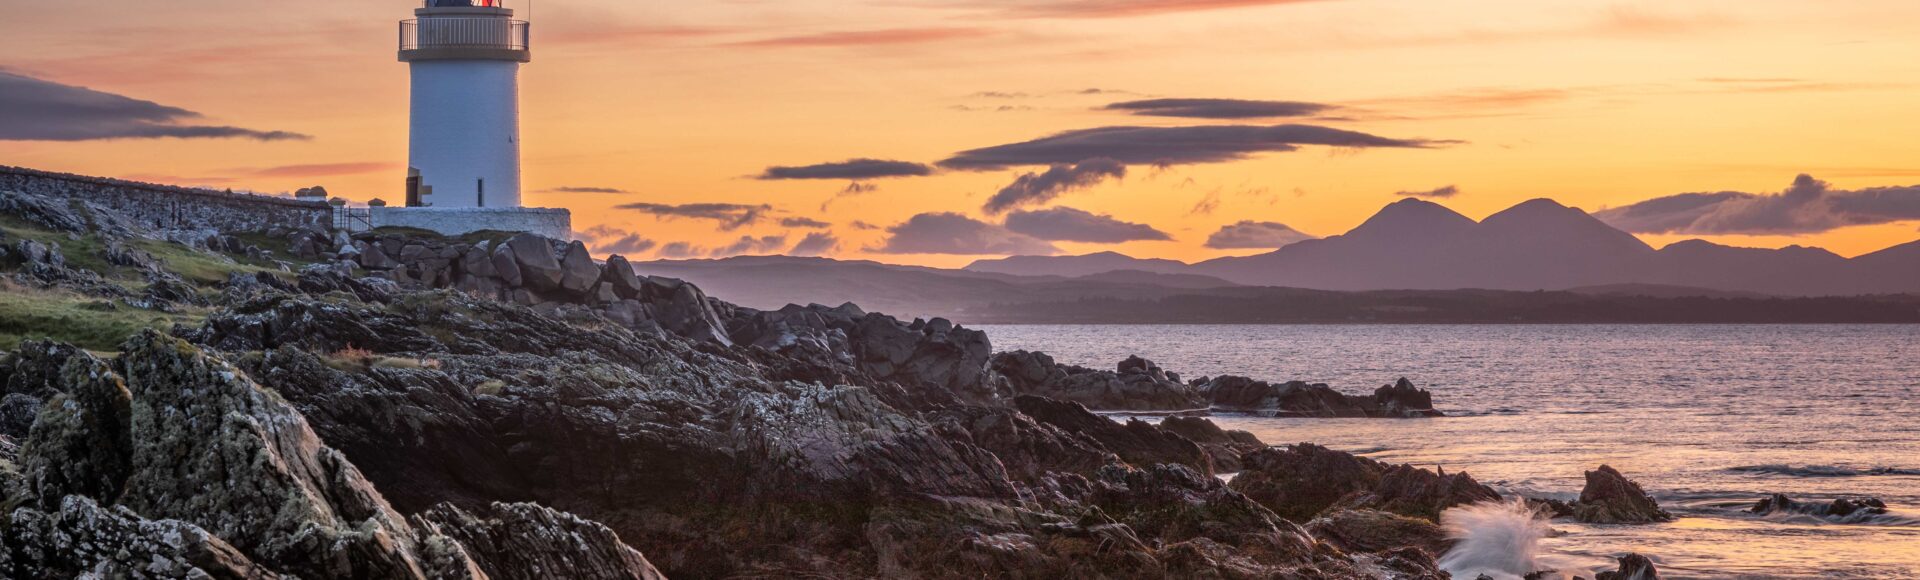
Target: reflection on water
{"points": [[1708, 418]]}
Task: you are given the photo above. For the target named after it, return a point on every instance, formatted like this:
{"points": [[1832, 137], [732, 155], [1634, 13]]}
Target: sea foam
{"points": [[1499, 539]]}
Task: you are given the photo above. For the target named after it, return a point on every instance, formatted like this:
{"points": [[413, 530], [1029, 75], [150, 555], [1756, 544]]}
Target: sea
{"points": [[1708, 418]]}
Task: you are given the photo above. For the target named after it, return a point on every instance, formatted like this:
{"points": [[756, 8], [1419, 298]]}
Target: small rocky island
{"points": [[298, 402]]}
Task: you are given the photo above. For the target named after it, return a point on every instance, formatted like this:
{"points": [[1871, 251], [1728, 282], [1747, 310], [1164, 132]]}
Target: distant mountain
{"points": [[1537, 245], [1076, 265], [770, 282]]}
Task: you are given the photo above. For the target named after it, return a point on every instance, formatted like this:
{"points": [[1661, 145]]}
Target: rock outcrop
{"points": [[1137, 385], [1840, 508], [171, 462], [1632, 567], [1611, 498], [1302, 481], [1300, 399]]}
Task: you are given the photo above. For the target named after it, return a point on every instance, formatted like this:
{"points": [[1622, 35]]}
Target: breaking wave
{"points": [[1500, 539]]}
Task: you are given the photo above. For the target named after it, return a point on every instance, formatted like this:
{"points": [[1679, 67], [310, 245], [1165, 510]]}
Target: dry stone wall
{"points": [[163, 207]]}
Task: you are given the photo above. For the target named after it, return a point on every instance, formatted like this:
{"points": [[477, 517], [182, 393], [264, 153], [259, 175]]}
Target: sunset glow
{"points": [[663, 104]]}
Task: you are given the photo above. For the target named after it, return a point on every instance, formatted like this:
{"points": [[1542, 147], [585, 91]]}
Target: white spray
{"points": [[1496, 538]]}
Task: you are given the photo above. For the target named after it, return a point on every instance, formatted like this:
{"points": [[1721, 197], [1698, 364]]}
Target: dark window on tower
{"points": [[480, 192]]}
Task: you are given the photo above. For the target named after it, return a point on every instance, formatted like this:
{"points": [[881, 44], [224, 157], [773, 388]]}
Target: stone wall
{"points": [[548, 222], [164, 207]]}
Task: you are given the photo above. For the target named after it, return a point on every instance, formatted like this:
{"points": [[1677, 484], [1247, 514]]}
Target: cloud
{"points": [[1252, 234], [1219, 108], [1207, 205], [885, 37], [1808, 206], [583, 189], [36, 110], [604, 239], [1123, 8], [863, 225], [681, 250], [1438, 192], [1169, 145], [1039, 188], [952, 233], [1000, 95], [750, 245], [732, 216], [800, 222], [320, 169], [853, 169], [815, 244], [1066, 224]]}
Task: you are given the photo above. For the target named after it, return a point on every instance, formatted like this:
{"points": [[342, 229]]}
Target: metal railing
{"points": [[463, 32]]}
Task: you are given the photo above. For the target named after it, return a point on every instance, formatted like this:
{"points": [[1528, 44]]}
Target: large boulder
{"points": [[1223, 447], [580, 274], [539, 269], [626, 283], [1370, 530], [1611, 498]]}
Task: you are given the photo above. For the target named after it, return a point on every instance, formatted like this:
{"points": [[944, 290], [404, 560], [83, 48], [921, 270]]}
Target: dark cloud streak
{"points": [[1066, 224], [37, 110]]}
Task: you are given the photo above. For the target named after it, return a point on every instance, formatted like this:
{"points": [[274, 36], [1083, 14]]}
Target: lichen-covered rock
{"points": [[1611, 498], [81, 442], [528, 542], [212, 448], [81, 539]]}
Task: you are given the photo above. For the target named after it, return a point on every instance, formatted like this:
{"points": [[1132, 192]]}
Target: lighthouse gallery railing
{"points": [[456, 32]]}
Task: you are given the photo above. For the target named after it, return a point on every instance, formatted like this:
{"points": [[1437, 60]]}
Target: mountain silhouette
{"points": [[1536, 245]]}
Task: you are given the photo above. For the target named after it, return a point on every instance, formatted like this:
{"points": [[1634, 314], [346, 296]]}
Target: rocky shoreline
{"points": [[393, 405]]}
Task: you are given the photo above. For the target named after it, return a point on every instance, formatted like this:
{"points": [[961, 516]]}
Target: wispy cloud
{"points": [[1170, 145], [801, 222], [1442, 192], [857, 38], [730, 216], [853, 169], [1119, 8], [1041, 187], [584, 189], [38, 110], [1219, 108], [607, 240]]}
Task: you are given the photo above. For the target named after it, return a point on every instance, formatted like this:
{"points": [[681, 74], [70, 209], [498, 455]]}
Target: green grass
{"points": [[87, 322], [88, 252]]}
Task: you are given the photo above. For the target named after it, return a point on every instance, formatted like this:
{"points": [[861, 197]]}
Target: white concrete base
{"points": [[556, 223]]}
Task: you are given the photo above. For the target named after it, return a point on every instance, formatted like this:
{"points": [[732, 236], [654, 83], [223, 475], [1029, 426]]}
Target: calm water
{"points": [[1707, 418]]}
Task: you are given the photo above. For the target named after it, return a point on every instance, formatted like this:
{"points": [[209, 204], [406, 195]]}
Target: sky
{"points": [[941, 131]]}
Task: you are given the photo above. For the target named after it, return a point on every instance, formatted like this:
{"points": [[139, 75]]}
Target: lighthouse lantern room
{"points": [[464, 140]]}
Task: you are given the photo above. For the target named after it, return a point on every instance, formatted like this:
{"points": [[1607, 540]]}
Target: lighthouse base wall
{"points": [[556, 223]]}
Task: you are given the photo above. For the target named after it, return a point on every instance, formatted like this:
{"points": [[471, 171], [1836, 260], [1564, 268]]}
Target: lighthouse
{"points": [[464, 133]]}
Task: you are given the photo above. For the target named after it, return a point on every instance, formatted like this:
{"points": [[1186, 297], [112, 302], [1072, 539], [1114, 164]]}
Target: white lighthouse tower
{"points": [[464, 144]]}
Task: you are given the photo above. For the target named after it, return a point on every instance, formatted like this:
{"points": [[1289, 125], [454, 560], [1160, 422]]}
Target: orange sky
{"points": [[1595, 104]]}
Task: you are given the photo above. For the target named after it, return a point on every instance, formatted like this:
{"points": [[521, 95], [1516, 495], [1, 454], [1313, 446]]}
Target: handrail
{"points": [[462, 32]]}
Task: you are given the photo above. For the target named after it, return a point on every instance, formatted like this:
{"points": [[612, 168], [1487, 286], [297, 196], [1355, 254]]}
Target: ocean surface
{"points": [[1708, 418]]}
